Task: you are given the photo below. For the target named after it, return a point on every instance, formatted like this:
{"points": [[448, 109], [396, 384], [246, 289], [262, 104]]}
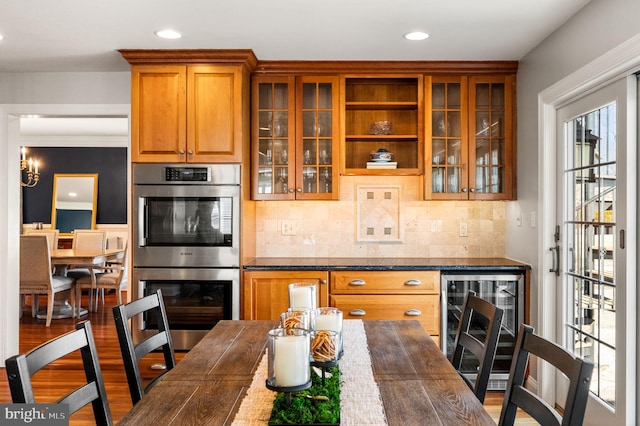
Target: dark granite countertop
{"points": [[382, 264]]}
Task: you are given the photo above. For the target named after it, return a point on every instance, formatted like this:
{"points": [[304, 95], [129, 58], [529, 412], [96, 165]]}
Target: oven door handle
{"points": [[142, 220]]}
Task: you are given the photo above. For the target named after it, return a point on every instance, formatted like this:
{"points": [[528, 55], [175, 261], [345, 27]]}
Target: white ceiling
{"points": [[84, 35]]}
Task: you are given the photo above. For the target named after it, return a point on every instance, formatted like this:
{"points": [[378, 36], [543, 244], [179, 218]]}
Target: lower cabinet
{"points": [[266, 293], [390, 295], [366, 295]]}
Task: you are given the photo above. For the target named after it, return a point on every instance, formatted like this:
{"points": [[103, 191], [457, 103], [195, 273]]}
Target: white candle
{"points": [[329, 322], [30, 164], [36, 166], [301, 298], [291, 360], [24, 153]]}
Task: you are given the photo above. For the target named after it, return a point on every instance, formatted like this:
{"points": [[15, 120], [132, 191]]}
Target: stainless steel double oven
{"points": [[186, 242]]}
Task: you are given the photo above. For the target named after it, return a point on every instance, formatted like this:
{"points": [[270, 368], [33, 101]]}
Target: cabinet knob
{"points": [[413, 282], [413, 313], [472, 190], [299, 190], [190, 152], [181, 152], [291, 190], [323, 281], [357, 312], [357, 282], [464, 189]]}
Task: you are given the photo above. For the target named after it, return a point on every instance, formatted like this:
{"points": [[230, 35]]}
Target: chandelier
{"points": [[31, 167]]}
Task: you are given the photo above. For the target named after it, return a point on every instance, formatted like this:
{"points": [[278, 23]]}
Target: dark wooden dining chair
{"points": [[21, 367], [133, 352], [478, 333], [577, 370]]}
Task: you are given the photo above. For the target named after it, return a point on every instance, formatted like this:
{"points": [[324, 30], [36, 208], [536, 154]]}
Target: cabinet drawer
{"points": [[385, 282], [424, 308]]}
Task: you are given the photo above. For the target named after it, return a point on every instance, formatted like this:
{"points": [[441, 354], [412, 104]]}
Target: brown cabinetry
{"points": [[470, 143], [295, 133], [382, 112], [266, 295], [372, 295], [189, 106]]}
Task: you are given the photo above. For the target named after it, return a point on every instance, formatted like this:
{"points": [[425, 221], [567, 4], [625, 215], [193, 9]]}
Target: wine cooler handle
{"points": [[357, 312]]}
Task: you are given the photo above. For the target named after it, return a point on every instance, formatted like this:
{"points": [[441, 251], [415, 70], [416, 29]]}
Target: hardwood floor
{"points": [[67, 373]]}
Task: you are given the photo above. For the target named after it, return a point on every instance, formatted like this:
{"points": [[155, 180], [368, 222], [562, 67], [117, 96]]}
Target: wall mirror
{"points": [[74, 202]]}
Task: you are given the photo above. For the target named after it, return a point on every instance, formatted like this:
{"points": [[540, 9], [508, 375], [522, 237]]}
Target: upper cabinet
{"points": [[295, 132], [470, 142], [382, 112], [189, 106]]}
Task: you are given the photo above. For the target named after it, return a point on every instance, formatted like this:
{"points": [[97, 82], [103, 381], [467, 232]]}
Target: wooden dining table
{"points": [[62, 258], [417, 384]]}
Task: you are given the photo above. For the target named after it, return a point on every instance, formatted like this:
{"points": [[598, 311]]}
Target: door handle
{"points": [[556, 260]]}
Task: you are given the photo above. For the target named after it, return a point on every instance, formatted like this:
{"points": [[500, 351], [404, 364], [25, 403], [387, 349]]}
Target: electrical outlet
{"points": [[463, 229], [288, 228]]}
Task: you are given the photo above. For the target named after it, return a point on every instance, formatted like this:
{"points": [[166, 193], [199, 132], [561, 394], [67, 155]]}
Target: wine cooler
{"points": [[506, 291]]}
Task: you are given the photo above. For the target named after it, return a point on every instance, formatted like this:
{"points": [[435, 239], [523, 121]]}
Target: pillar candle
{"points": [[291, 360]]}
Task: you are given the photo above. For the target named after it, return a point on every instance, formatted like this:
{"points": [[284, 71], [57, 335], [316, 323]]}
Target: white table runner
{"points": [[360, 402]]}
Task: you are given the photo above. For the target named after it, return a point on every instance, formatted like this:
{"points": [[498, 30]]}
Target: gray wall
{"points": [[65, 88], [596, 29]]}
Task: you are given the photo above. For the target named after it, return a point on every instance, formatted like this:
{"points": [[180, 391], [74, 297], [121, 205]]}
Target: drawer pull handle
{"points": [[413, 313], [413, 282], [357, 312], [357, 282]]}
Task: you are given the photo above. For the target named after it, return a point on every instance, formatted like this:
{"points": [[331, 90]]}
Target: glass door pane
{"points": [[590, 178], [273, 138], [317, 137], [446, 143]]}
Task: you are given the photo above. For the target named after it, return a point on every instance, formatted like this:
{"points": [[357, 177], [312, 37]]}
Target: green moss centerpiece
{"points": [[317, 405]]}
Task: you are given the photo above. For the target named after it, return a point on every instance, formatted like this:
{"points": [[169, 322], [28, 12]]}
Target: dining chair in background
{"points": [[52, 236], [132, 353], [36, 275], [86, 239], [577, 370], [109, 277], [20, 369], [478, 333]]}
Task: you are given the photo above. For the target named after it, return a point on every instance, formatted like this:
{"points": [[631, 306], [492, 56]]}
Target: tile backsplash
{"points": [[380, 216]]}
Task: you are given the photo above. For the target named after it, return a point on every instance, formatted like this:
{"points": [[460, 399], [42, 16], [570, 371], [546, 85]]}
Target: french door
{"points": [[595, 245]]}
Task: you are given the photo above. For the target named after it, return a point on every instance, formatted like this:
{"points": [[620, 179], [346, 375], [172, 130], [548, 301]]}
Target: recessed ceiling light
{"points": [[170, 34], [416, 35], [1, 37]]}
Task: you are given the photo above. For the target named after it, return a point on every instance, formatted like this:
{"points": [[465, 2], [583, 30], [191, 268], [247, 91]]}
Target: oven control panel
{"points": [[187, 174]]}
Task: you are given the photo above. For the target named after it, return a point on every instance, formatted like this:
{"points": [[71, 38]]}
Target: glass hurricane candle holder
{"points": [[288, 360], [328, 318], [302, 295], [296, 318]]}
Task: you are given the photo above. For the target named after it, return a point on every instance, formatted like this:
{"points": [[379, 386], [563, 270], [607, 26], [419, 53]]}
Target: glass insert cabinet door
{"points": [[470, 142], [274, 152], [491, 139], [449, 141], [296, 138]]}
